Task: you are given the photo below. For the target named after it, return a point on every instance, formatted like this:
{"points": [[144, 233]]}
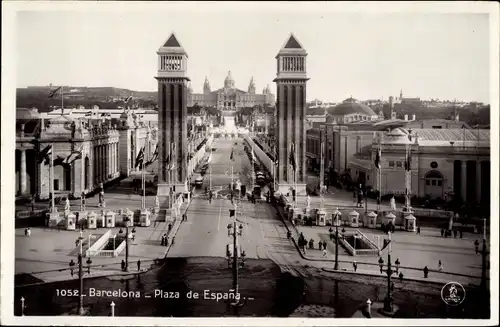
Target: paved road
{"points": [[206, 234]]}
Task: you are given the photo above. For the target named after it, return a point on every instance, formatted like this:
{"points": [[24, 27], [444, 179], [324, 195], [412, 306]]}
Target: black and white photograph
{"points": [[211, 163]]}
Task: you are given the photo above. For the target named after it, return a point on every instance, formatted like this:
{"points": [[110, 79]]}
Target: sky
{"points": [[366, 55]]}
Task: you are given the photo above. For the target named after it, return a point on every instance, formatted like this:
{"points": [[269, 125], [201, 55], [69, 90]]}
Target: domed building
{"points": [[229, 99], [351, 110]]}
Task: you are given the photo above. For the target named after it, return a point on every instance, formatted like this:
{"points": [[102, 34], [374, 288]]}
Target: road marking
{"points": [[220, 211]]}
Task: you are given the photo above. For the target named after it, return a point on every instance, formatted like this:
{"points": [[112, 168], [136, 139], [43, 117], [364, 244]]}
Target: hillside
{"points": [[104, 97]]}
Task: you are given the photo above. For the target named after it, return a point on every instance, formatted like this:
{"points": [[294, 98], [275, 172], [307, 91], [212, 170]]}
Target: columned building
{"points": [[291, 82], [445, 163], [172, 103], [87, 152]]}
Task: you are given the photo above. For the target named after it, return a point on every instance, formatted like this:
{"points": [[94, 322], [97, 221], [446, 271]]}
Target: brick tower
{"points": [[291, 80], [172, 103]]}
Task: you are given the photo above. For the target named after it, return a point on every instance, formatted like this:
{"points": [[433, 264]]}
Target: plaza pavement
{"points": [[460, 262], [47, 252]]}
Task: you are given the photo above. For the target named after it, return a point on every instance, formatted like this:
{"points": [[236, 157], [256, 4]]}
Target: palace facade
{"points": [[230, 99]]}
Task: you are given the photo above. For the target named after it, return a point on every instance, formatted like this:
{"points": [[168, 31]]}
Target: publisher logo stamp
{"points": [[453, 293]]}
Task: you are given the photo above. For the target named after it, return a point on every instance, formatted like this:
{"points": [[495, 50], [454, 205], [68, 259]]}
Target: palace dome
{"points": [[351, 106]]}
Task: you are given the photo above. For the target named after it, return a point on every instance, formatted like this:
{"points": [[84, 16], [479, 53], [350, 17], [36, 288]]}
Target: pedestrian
{"points": [[401, 276], [426, 272], [418, 230], [71, 265], [169, 227], [455, 233], [76, 243], [123, 265], [392, 286], [138, 265], [162, 240], [381, 264], [324, 253], [288, 234], [25, 232], [29, 232], [397, 265], [476, 246], [166, 240], [355, 266], [442, 232], [440, 266]]}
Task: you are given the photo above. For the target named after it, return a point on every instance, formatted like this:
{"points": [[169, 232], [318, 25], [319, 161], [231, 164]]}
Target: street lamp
{"points": [[126, 220], [336, 217], [388, 302], [484, 253], [80, 273], [89, 262]]}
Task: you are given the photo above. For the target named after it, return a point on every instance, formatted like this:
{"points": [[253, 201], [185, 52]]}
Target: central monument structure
{"points": [[172, 112], [291, 83]]}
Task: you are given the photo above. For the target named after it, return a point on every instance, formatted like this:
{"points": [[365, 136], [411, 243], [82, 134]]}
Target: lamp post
{"points": [[235, 231], [126, 220], [388, 303], [336, 215], [22, 306], [484, 253], [80, 274]]}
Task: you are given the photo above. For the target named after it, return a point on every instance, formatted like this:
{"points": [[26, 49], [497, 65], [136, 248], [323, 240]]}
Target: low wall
{"points": [[31, 214], [352, 251]]}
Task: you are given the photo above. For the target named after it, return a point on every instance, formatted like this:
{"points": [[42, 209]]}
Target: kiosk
{"points": [[110, 219], [70, 221], [92, 220], [354, 219], [321, 217], [145, 218], [410, 223], [372, 220]]}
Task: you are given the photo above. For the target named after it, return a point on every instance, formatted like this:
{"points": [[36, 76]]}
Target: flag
{"points": [[292, 157], [89, 113], [408, 160], [54, 93], [44, 155], [140, 158], [171, 158], [377, 159], [153, 158], [127, 99], [73, 156], [386, 243]]}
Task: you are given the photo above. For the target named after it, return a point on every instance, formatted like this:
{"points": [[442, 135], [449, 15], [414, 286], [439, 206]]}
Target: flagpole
{"points": [[379, 151], [322, 173], [51, 178], [62, 100]]}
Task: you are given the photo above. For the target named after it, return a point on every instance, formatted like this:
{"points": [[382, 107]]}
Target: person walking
{"points": [[381, 264], [418, 230], [25, 232], [123, 265], [397, 263], [162, 240], [71, 269], [442, 232], [440, 266], [169, 227], [29, 232], [324, 253], [426, 272], [138, 265], [476, 246], [355, 266]]}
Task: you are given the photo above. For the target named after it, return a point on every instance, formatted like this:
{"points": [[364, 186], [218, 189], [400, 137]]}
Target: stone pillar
{"points": [[478, 181], [463, 181], [22, 173]]}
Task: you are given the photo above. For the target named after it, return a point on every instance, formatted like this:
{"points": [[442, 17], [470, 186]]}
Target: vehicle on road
{"points": [[198, 180]]}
